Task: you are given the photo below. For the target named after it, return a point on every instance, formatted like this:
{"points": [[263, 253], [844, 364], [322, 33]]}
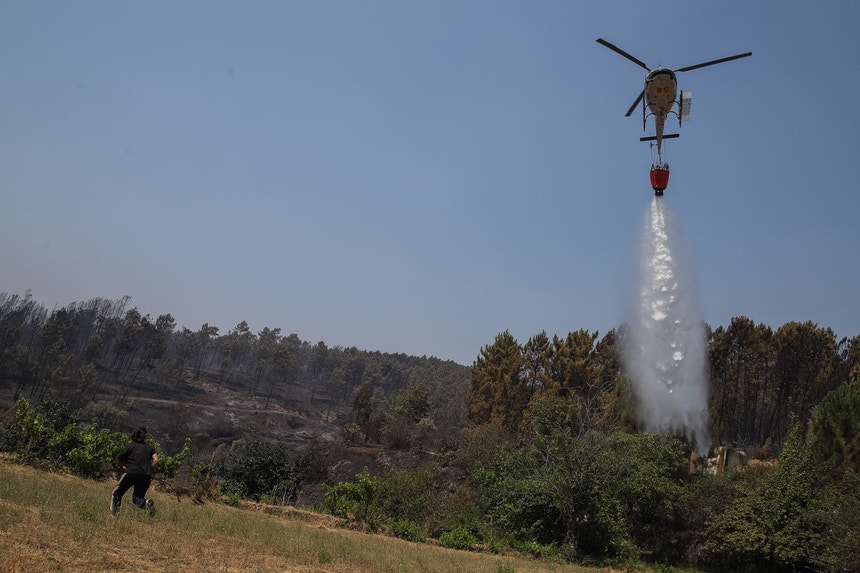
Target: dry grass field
{"points": [[56, 522]]}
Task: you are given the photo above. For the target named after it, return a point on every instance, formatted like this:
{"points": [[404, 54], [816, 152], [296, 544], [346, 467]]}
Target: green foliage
{"points": [[460, 538], [409, 503], [406, 423], [50, 434], [408, 494], [777, 518], [834, 430], [653, 487], [500, 391], [232, 499], [412, 403], [103, 414], [32, 433], [357, 501], [507, 378], [408, 530], [840, 550], [594, 493], [168, 466], [92, 453], [260, 470]]}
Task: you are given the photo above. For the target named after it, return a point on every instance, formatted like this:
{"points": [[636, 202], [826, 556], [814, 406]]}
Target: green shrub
{"points": [[261, 470], [93, 451], [408, 530], [103, 414], [357, 501], [51, 434], [33, 433], [457, 539], [168, 466]]}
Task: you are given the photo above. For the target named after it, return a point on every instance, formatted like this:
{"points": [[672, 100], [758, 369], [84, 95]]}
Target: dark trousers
{"points": [[140, 482]]}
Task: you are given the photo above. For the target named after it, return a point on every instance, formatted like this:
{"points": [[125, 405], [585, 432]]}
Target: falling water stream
{"points": [[666, 356]]}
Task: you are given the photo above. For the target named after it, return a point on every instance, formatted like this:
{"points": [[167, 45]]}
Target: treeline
{"points": [[77, 351], [760, 380]]}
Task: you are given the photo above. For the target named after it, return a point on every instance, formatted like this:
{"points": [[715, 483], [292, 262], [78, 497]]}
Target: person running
{"points": [[137, 460]]}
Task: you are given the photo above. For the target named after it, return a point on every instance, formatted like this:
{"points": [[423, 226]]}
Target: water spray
{"points": [[667, 356]]}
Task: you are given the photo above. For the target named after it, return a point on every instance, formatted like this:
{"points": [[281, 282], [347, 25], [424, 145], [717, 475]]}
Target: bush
{"points": [[459, 538], [168, 466], [777, 519], [261, 470], [50, 434], [408, 530], [33, 432], [357, 501], [92, 455], [104, 415]]}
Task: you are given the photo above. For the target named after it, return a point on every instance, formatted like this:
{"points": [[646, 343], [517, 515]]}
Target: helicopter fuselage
{"points": [[661, 89]]}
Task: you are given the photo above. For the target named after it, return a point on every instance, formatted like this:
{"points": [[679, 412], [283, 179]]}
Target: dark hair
{"points": [[139, 435]]}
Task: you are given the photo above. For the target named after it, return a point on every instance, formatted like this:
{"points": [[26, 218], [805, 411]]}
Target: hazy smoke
{"points": [[666, 356]]}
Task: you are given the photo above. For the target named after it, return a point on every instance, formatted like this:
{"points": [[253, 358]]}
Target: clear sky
{"points": [[419, 176]]}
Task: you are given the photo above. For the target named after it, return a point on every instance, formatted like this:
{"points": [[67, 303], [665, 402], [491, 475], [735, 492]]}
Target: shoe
{"points": [[114, 508], [150, 505]]}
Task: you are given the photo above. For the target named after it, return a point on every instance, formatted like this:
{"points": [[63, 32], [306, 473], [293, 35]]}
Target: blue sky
{"points": [[419, 176]]}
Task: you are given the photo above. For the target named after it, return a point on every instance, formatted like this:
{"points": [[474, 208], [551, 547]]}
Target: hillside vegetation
{"points": [[535, 449], [56, 522]]}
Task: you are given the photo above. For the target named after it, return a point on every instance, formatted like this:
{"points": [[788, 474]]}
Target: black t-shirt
{"points": [[137, 458]]}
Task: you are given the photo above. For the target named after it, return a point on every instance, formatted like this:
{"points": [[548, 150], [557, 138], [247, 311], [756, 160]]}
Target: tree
{"points": [[500, 391], [261, 470], [362, 409], [777, 518], [742, 358], [404, 413], [267, 350], [128, 344], [538, 356], [806, 361], [200, 347], [287, 362], [236, 349], [834, 430], [840, 551], [595, 493], [319, 358], [53, 351]]}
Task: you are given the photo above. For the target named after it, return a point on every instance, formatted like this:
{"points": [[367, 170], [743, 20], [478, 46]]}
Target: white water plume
{"points": [[666, 355]]}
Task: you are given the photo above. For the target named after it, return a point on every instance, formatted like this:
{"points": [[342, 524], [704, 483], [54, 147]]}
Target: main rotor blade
{"points": [[619, 51], [635, 103], [711, 63]]}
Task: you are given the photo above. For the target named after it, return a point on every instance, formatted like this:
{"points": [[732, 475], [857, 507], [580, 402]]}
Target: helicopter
{"points": [[660, 97]]}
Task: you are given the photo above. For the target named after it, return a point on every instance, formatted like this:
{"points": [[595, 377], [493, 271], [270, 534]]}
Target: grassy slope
{"points": [[55, 522]]}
